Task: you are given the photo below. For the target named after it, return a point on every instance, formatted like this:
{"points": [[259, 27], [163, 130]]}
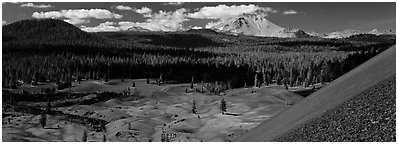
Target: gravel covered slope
{"points": [[369, 116]]}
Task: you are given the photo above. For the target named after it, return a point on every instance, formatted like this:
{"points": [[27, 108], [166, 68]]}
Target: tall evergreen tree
{"points": [[43, 119], [194, 107], [192, 80], [161, 77], [256, 80], [104, 138], [84, 137], [265, 82], [35, 78], [308, 80], [291, 76], [223, 106], [106, 78]]}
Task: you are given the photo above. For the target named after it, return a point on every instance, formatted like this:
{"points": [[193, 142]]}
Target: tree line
{"points": [[290, 68]]}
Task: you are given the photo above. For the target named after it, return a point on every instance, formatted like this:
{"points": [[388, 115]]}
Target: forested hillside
{"points": [[46, 31], [52, 50]]}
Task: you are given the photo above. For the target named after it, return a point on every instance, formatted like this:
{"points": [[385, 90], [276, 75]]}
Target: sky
{"points": [[319, 17]]}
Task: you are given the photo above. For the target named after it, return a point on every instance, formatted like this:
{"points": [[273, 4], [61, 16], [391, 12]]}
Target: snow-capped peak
{"points": [[378, 32], [375, 32], [312, 33], [255, 25], [342, 34]]}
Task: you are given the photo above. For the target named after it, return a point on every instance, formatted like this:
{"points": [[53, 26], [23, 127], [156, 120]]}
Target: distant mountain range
{"points": [[59, 32], [258, 25], [348, 33], [245, 24], [377, 32]]}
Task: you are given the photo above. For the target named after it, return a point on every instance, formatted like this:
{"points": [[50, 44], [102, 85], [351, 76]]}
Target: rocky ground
{"points": [[369, 116]]}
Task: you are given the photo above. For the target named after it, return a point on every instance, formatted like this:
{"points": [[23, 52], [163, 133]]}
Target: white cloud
{"points": [[143, 10], [4, 22], [102, 27], [173, 3], [36, 6], [289, 12], [224, 11], [197, 27], [78, 16], [167, 21], [122, 7], [161, 21]]}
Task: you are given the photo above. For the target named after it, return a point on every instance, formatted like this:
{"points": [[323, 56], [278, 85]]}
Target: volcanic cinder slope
{"points": [[330, 99], [367, 117]]}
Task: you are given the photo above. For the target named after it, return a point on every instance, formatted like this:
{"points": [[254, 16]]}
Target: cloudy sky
{"points": [[116, 16]]}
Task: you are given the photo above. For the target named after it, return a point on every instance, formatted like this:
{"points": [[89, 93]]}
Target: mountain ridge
{"points": [[255, 25]]}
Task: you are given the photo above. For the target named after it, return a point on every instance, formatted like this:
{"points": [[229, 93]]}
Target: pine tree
{"points": [[156, 105], [321, 76], [278, 79], [265, 82], [194, 107], [79, 79], [43, 119], [256, 80], [84, 137], [202, 85], [106, 78], [223, 106], [161, 77], [309, 78], [291, 81], [70, 91], [104, 138], [192, 82], [163, 136]]}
